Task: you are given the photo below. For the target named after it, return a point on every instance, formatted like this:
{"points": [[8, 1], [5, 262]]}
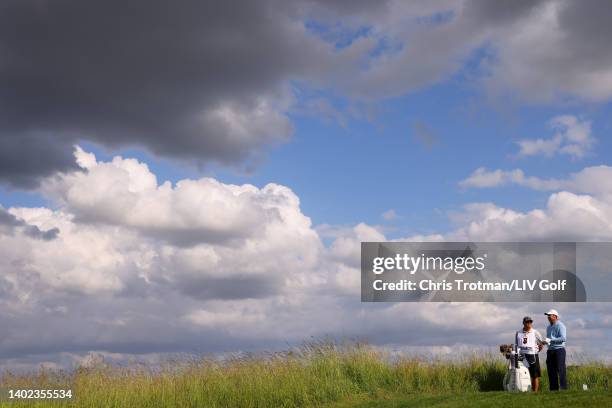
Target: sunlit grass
{"points": [[313, 375]]}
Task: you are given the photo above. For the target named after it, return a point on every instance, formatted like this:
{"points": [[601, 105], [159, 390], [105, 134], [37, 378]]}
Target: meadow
{"points": [[317, 374]]}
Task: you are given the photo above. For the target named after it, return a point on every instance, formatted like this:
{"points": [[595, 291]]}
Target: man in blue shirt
{"points": [[555, 355]]}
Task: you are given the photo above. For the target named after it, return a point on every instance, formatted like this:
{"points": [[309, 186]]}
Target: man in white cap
{"points": [[555, 355]]}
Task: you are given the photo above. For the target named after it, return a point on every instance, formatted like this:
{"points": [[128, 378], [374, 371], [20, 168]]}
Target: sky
{"points": [[198, 177]]}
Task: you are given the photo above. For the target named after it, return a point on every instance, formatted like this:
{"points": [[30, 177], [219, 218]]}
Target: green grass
{"points": [[591, 399], [322, 374]]}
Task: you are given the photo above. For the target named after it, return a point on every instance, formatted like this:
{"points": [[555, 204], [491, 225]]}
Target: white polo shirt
{"points": [[528, 341]]}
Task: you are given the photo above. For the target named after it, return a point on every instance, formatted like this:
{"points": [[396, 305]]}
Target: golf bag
{"points": [[517, 378]]}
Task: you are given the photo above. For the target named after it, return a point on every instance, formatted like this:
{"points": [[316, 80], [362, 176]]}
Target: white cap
{"points": [[551, 312]]}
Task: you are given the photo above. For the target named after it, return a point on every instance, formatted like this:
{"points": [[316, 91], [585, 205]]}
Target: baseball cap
{"points": [[551, 312], [527, 319]]}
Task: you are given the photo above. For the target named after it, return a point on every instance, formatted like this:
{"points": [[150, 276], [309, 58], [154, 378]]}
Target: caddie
{"points": [[530, 342]]}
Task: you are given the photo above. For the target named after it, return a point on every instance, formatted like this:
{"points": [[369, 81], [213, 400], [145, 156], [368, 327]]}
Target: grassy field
{"points": [[591, 399], [349, 375]]}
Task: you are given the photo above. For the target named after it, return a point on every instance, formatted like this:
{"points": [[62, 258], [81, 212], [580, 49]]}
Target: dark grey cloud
{"points": [[500, 12], [560, 51], [588, 30], [196, 80], [24, 156], [210, 81]]}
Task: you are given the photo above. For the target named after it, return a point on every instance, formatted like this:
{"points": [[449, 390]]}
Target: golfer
{"points": [[530, 342], [555, 355]]}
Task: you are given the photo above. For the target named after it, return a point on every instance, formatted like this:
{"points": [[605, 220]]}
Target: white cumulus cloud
{"points": [[573, 138]]}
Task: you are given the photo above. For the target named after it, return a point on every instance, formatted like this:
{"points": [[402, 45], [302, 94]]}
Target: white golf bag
{"points": [[517, 378]]}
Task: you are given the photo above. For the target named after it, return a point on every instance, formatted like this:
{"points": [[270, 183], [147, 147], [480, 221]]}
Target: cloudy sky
{"points": [[196, 177]]}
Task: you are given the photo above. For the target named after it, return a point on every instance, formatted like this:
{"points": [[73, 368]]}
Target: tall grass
{"points": [[313, 375]]}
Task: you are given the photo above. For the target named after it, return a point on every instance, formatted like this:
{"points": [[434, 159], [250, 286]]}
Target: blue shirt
{"points": [[556, 333]]}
